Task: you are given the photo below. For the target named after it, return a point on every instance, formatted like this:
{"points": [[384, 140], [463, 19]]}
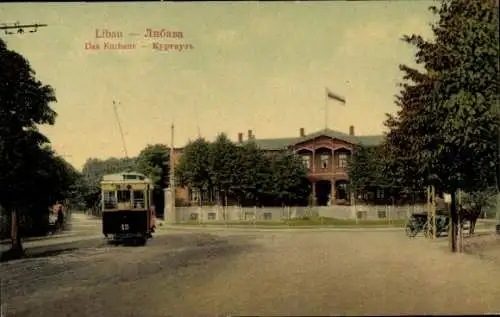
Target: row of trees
{"points": [[224, 173], [446, 131], [32, 175], [152, 161], [372, 183], [221, 172]]}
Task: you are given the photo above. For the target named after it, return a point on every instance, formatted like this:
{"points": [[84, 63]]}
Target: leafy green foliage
{"points": [[193, 168], [479, 201], [448, 123], [153, 161], [243, 174], [95, 168], [253, 174], [289, 184], [365, 169], [223, 164], [32, 176], [446, 130]]}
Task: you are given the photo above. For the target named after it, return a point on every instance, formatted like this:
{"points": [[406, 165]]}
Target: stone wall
{"points": [[235, 213]]}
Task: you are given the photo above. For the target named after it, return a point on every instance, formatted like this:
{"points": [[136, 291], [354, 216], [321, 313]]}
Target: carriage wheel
{"points": [[411, 231], [428, 231]]}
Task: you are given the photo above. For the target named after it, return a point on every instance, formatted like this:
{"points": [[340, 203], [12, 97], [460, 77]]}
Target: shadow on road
{"points": [[33, 253], [105, 283], [49, 250], [48, 253]]}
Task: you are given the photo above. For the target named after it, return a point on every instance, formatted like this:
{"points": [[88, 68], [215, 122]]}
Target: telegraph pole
{"points": [[171, 186]]}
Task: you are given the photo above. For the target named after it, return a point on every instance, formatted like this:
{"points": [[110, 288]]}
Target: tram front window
{"points": [[124, 196]]}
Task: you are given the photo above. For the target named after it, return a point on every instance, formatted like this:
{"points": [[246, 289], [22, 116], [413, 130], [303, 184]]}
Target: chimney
{"points": [[351, 130], [302, 132], [240, 137], [250, 135]]}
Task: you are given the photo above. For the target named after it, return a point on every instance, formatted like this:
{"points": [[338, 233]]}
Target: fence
{"points": [[236, 213]]}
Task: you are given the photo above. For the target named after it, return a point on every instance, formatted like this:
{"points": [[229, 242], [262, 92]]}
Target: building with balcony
{"points": [[325, 153]]}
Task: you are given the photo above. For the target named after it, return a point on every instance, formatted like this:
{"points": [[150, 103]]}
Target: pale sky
{"points": [[259, 66]]}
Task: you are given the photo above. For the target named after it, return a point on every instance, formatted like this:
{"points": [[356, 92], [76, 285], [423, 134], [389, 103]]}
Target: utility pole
{"points": [[170, 192]]}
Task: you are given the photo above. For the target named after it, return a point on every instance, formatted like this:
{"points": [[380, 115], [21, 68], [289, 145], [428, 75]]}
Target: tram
{"points": [[126, 205]]}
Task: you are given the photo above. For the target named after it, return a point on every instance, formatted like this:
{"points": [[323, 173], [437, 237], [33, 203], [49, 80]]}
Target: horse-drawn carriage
{"points": [[420, 221], [126, 203]]}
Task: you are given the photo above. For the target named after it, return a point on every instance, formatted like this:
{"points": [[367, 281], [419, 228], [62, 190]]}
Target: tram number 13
{"points": [[125, 227]]}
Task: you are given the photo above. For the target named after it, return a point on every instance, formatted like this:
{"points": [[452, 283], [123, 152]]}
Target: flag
{"points": [[333, 96]]}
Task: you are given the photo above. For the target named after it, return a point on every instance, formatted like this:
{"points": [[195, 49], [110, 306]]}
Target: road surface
{"points": [[215, 273]]}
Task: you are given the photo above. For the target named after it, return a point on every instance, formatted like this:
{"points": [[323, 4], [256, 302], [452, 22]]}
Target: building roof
{"points": [[125, 177], [283, 143]]}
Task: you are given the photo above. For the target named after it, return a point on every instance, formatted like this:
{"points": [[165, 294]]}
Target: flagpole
{"points": [[326, 108]]}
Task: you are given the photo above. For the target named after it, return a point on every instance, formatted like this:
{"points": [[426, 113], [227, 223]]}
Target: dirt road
{"points": [[245, 273]]}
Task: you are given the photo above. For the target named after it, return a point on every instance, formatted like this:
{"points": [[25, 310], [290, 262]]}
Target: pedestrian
{"points": [[60, 215], [153, 218]]}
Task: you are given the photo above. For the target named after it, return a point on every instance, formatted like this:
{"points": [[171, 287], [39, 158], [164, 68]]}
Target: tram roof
{"points": [[132, 177]]}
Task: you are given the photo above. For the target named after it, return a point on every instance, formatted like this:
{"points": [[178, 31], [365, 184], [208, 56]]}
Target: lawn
{"points": [[314, 222]]}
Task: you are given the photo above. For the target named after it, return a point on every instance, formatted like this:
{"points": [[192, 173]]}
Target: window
{"points": [[249, 215], [381, 214], [268, 216], [138, 199], [193, 216], [362, 215], [124, 196], [380, 194], [306, 159], [324, 161], [212, 216], [342, 162], [109, 199]]}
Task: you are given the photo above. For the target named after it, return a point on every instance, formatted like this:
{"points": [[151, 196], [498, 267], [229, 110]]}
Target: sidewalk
{"points": [[275, 228], [161, 225]]}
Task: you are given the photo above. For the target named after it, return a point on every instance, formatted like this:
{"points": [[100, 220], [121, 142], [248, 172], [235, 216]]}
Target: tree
{"points": [[365, 169], [289, 184], [446, 131], [153, 161], [24, 105], [253, 175], [93, 171], [243, 173], [193, 167], [475, 203], [223, 166], [52, 179]]}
